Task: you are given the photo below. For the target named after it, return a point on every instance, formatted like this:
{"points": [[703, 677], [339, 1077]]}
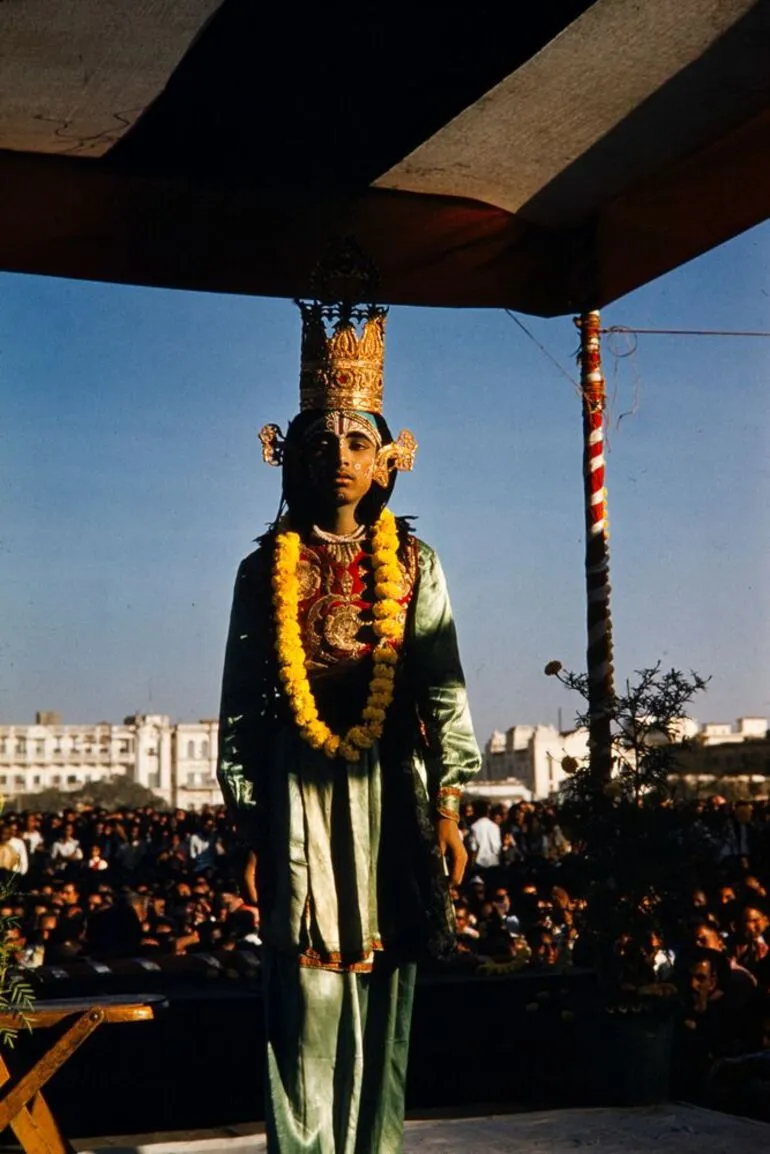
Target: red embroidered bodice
{"points": [[336, 591]]}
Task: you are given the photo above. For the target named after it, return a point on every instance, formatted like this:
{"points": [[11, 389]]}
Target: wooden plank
{"points": [[46, 1067], [114, 1008], [37, 1130]]}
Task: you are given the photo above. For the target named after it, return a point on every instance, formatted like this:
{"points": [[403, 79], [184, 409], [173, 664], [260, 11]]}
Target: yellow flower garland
{"points": [[388, 628]]}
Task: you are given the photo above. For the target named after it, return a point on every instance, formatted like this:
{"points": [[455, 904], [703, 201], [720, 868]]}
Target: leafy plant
{"points": [[17, 995], [629, 840], [646, 722]]}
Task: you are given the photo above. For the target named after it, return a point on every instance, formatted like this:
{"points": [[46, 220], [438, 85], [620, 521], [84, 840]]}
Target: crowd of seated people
{"points": [[524, 901], [145, 882], [132, 883]]}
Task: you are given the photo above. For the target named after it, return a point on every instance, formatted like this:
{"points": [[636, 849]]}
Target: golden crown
{"points": [[343, 339], [343, 349]]}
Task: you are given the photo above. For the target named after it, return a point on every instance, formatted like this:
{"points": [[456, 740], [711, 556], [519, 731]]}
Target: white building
{"points": [[194, 761], [531, 755], [175, 761], [525, 761], [722, 732]]}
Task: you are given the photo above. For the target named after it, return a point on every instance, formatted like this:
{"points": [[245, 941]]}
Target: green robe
{"points": [[330, 830], [348, 860]]}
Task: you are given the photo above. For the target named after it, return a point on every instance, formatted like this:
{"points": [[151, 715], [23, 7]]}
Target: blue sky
{"points": [[133, 484]]}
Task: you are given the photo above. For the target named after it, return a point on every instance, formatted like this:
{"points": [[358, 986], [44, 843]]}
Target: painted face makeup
{"points": [[342, 450], [341, 423]]}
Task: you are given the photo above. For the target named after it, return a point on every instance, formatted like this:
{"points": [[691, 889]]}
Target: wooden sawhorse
{"points": [[22, 1105]]}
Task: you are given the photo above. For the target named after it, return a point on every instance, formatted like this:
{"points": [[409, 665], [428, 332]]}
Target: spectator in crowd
{"points": [[66, 849], [465, 924], [510, 854], [9, 856], [741, 984], [711, 1029], [751, 947], [131, 853], [201, 846], [97, 863], [545, 951], [32, 836], [485, 839], [476, 894], [18, 843]]}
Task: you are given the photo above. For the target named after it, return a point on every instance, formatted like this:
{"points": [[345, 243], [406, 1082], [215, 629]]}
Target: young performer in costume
{"points": [[345, 741]]}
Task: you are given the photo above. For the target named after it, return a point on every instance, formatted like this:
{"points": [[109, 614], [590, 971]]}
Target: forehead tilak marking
{"points": [[342, 422]]}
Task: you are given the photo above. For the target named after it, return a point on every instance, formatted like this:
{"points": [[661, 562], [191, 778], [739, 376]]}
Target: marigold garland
{"points": [[388, 628]]}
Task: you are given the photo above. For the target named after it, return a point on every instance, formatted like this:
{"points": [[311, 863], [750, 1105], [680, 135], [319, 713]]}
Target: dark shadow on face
{"points": [[339, 467], [301, 495]]}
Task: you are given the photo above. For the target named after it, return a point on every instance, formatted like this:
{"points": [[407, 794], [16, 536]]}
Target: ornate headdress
{"points": [[343, 348]]}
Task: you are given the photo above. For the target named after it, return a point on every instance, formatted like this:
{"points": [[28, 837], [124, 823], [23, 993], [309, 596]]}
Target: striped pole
{"points": [[601, 686]]}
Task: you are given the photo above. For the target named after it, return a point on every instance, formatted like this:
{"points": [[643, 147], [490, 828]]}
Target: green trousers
{"points": [[337, 1047]]}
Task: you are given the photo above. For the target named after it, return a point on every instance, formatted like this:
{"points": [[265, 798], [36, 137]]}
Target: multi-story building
{"points": [[728, 759], [531, 756], [723, 733], [194, 762], [526, 759], [177, 761]]}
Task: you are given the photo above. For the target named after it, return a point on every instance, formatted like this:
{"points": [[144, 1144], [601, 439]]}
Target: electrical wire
{"points": [[683, 332], [564, 372]]}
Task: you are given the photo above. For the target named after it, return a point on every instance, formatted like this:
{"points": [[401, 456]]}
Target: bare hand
{"points": [[248, 880], [452, 848]]}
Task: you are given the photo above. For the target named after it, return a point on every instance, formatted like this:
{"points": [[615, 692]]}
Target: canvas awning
{"points": [[543, 161]]}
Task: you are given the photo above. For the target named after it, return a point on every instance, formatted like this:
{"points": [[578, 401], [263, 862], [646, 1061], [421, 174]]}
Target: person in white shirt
{"points": [[32, 836], [9, 857], [66, 849], [20, 846], [486, 840], [95, 860], [202, 846]]}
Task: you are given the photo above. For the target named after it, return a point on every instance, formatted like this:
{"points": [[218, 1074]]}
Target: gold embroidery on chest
{"points": [[336, 628], [346, 582], [333, 627], [341, 626], [308, 575]]}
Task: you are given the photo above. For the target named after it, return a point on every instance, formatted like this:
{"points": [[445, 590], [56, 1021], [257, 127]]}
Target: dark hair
{"points": [[717, 960], [297, 494]]}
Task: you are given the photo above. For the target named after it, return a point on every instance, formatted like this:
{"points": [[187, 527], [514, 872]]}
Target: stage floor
{"points": [[670, 1129]]}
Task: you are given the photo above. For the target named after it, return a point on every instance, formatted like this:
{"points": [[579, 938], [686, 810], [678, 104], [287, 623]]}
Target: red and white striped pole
{"points": [[601, 675]]}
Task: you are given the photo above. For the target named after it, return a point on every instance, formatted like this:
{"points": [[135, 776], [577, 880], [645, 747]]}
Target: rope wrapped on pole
{"points": [[599, 658]]}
